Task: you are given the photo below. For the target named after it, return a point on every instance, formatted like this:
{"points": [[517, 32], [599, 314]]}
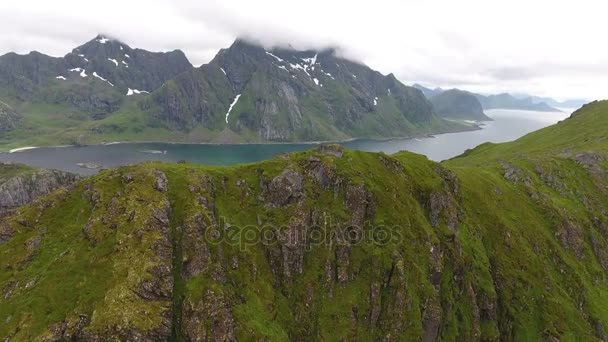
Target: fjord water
{"points": [[508, 125]]}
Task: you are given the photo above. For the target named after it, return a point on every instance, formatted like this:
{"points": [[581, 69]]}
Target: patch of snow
{"points": [[298, 66], [113, 61], [121, 48], [311, 61], [125, 63], [82, 71], [282, 67], [389, 91], [224, 71], [316, 81], [376, 101], [236, 99], [103, 40], [276, 57], [101, 78], [354, 75], [135, 91], [328, 74], [127, 56], [60, 78]]}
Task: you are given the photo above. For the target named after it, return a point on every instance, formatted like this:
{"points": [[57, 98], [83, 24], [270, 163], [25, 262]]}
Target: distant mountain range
{"points": [[105, 90], [458, 104], [513, 101]]}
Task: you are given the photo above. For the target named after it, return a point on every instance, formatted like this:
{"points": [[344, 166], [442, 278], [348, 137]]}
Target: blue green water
{"points": [[507, 125]]}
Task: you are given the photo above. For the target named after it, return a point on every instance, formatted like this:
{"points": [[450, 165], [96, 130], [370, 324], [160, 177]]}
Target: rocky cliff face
{"points": [[21, 185], [458, 104], [94, 77], [286, 95], [326, 244]]}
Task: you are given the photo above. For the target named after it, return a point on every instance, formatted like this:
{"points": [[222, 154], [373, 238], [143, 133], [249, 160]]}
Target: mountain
{"points": [[458, 104], [105, 91], [290, 95], [507, 242], [428, 92], [20, 184], [573, 103], [93, 77], [508, 101]]}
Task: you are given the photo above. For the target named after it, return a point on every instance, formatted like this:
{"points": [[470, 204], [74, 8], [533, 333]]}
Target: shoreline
{"points": [[475, 127]]}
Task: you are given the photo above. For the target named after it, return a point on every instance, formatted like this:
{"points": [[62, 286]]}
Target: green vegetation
{"points": [[507, 242]]}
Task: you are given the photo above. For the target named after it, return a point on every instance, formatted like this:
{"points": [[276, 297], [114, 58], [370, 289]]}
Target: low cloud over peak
{"points": [[543, 47]]}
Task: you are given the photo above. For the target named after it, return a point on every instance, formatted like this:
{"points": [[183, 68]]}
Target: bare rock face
{"points": [[323, 173], [210, 319], [284, 189], [9, 118], [360, 203], [23, 189], [443, 205], [6, 232], [571, 237], [334, 150], [161, 181]]}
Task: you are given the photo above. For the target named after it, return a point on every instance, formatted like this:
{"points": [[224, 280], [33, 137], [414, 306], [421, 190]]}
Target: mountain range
{"points": [[509, 101], [505, 242], [105, 91], [458, 104]]}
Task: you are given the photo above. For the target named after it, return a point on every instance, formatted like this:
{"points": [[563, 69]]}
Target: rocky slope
{"points": [[507, 242], [289, 95], [458, 104], [20, 185], [9, 118]]}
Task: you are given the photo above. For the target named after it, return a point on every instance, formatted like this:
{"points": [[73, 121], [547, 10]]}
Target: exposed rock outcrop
{"points": [[23, 188]]}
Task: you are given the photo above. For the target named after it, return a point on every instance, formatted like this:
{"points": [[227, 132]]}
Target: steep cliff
{"points": [[20, 185]]}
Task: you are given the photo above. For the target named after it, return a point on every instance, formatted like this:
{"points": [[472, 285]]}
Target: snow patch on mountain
{"points": [[60, 78], [81, 70], [113, 61], [135, 91], [236, 99], [276, 57], [101, 78], [103, 40], [328, 75], [224, 71]]}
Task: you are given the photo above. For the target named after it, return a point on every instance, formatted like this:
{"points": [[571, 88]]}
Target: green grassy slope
{"points": [[509, 242]]}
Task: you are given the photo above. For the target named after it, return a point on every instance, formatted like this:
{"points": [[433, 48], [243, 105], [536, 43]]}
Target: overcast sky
{"points": [[543, 47]]}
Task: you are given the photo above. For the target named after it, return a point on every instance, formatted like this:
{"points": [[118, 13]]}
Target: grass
{"points": [[509, 268]]}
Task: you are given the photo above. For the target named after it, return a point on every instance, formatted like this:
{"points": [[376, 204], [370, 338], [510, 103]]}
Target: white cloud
{"points": [[543, 47]]}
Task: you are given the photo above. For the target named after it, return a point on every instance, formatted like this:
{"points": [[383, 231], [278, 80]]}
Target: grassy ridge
{"points": [[506, 242]]}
